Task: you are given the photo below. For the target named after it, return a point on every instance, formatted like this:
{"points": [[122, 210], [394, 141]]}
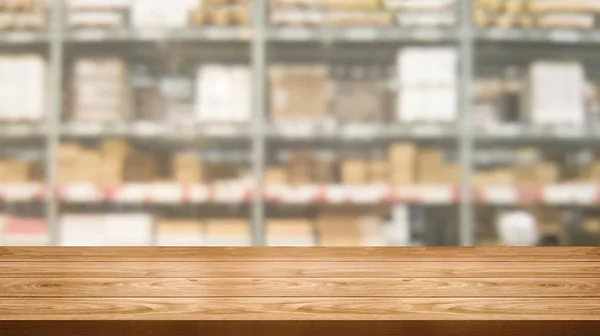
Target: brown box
{"points": [[338, 231], [276, 175], [402, 159], [298, 93], [187, 169], [354, 172], [14, 171], [116, 149], [300, 168], [379, 172]]}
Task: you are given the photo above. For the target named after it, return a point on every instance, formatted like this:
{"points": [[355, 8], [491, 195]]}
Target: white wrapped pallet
{"points": [[427, 79], [555, 93], [22, 88], [128, 229], [517, 228], [82, 230], [223, 93]]}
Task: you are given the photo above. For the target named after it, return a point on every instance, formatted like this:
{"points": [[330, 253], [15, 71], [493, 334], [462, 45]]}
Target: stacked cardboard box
{"points": [[18, 231], [15, 170], [402, 159], [360, 95], [23, 14], [187, 169], [227, 232], [580, 14], [433, 168], [223, 93], [22, 88], [334, 230], [299, 93], [114, 155], [100, 90], [554, 93], [98, 13], [180, 232], [221, 12], [290, 232], [363, 12], [106, 230], [77, 164], [427, 85]]}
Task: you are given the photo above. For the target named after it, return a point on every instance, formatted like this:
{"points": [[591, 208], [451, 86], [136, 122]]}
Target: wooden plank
{"points": [[257, 287], [271, 309], [300, 328], [500, 269], [301, 254]]}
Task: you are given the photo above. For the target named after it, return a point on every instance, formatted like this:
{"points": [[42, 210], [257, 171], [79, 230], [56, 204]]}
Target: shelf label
{"points": [[131, 193], [166, 193], [91, 34], [436, 194], [225, 131], [362, 34], [500, 195], [428, 34], [294, 33], [82, 192], [20, 37], [428, 130], [146, 129], [569, 36], [361, 131], [199, 194]]}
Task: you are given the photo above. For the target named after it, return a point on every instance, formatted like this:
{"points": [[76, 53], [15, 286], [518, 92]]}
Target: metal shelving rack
{"points": [[465, 37]]}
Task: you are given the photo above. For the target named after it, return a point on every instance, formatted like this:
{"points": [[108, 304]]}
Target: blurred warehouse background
{"points": [[299, 122]]}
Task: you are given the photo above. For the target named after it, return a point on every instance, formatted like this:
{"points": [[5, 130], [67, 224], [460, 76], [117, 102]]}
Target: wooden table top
{"points": [[394, 287]]}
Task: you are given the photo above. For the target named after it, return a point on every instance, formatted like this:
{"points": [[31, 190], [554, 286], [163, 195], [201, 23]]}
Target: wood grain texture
{"points": [[331, 288], [73, 269], [300, 328], [312, 309], [301, 254]]}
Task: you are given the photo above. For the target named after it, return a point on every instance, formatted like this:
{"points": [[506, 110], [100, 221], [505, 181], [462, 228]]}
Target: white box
{"points": [[129, 229], [22, 87], [82, 230], [295, 232], [180, 233], [555, 93], [25, 232], [228, 233]]}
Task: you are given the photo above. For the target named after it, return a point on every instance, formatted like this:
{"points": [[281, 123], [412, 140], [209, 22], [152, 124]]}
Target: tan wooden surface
{"points": [[422, 289]]}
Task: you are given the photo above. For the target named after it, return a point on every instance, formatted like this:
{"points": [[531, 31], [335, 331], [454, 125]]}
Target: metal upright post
{"points": [[259, 115], [466, 42], [53, 113]]}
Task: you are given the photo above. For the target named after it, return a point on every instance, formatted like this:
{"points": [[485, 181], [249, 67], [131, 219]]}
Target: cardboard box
{"points": [[354, 172], [290, 232], [403, 164], [187, 169], [300, 168], [298, 93], [379, 172], [276, 175], [228, 232], [338, 231], [180, 232]]}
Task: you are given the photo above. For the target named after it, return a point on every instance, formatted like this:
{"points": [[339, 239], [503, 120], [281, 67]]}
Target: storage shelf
{"points": [[239, 193]]}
